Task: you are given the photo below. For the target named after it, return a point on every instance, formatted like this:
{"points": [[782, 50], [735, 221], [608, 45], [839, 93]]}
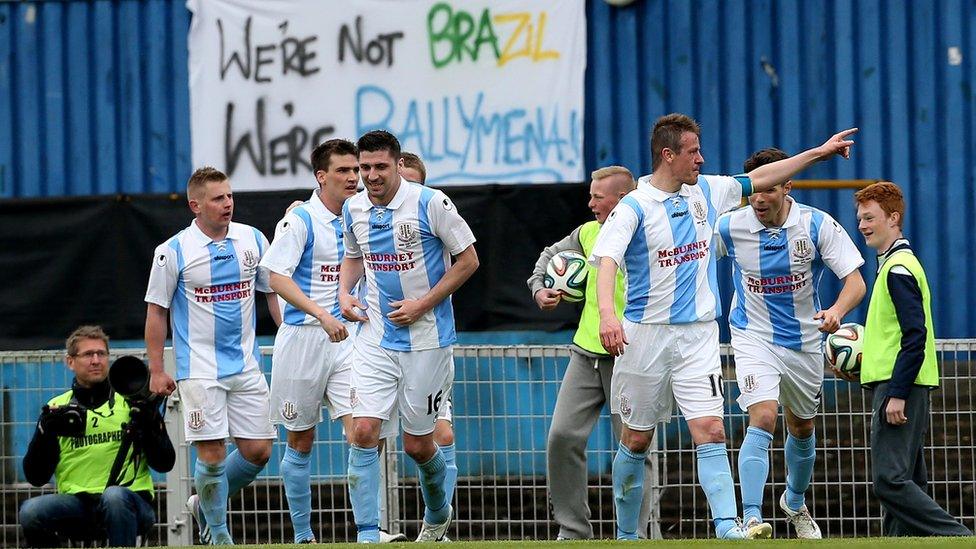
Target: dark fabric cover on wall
{"points": [[66, 262]]}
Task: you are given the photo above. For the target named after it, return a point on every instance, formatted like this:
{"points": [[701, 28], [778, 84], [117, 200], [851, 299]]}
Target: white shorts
{"points": [[765, 371], [307, 369], [666, 363], [414, 384], [235, 406], [446, 411], [391, 427]]}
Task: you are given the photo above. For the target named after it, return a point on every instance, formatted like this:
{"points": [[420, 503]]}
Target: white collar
{"points": [[792, 218], [202, 240]]}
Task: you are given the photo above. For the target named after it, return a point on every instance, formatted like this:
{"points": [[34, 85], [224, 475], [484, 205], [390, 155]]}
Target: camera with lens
{"points": [[64, 421], [129, 377]]}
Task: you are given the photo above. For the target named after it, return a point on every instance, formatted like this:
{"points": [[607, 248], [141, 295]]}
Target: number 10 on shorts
{"points": [[717, 386]]}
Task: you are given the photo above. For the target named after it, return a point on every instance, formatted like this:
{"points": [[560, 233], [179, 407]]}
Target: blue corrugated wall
{"points": [[93, 99]]}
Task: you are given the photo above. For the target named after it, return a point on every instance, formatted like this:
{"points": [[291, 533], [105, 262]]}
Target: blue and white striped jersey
{"points": [[776, 271], [663, 243], [406, 248], [308, 247], [209, 288]]}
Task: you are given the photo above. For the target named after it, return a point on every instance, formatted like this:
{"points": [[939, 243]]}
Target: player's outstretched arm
{"points": [[160, 382], [351, 270], [850, 295], [612, 334], [409, 311], [766, 176]]}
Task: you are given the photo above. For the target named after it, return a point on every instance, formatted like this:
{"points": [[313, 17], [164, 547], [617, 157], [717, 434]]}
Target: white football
{"points": [[566, 273], [844, 348]]}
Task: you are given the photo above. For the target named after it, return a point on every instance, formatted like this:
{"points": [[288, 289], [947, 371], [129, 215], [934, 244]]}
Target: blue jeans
{"points": [[119, 512]]}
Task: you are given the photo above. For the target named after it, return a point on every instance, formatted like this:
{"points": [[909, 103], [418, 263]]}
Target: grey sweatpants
{"points": [[898, 470], [582, 394]]}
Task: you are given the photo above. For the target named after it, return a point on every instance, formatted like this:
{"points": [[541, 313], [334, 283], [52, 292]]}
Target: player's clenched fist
{"points": [[334, 327], [160, 383], [829, 320]]}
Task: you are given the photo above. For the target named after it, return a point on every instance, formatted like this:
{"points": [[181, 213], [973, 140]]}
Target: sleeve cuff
{"points": [[899, 391], [746, 183], [535, 287], [157, 301]]}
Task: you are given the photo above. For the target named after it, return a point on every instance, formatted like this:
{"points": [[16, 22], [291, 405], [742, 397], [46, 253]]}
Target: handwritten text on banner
{"points": [[484, 91]]}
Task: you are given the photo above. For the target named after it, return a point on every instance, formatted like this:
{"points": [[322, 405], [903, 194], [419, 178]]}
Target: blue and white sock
{"points": [[753, 471], [800, 459], [240, 472], [432, 473], [298, 491], [211, 484], [450, 478], [715, 477], [364, 480], [628, 490]]}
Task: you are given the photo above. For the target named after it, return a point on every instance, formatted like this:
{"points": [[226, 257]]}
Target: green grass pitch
{"points": [[854, 543]]}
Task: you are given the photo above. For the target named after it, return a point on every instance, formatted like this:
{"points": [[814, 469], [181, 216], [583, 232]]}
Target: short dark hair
{"points": [[763, 157], [667, 135], [411, 160], [379, 140], [322, 154], [202, 176]]}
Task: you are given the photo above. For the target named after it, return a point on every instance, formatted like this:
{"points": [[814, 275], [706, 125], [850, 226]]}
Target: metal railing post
{"points": [[180, 525], [654, 527]]}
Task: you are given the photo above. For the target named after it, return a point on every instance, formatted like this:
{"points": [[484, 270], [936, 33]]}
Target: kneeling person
{"points": [[78, 438]]}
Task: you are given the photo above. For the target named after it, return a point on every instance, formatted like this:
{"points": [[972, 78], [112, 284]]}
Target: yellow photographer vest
{"points": [[86, 462]]}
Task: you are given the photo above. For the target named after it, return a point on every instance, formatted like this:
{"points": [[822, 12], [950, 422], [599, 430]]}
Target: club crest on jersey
{"points": [[625, 408], [289, 411], [749, 383], [194, 420], [250, 258], [699, 211], [406, 234], [802, 250]]}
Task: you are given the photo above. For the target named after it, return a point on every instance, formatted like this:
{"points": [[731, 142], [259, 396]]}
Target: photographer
{"points": [[79, 437]]}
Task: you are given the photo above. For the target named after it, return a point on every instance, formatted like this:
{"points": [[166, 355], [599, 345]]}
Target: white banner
{"points": [[483, 90]]}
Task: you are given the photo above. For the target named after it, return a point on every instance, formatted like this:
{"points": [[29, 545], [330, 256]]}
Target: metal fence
{"points": [[503, 400]]}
